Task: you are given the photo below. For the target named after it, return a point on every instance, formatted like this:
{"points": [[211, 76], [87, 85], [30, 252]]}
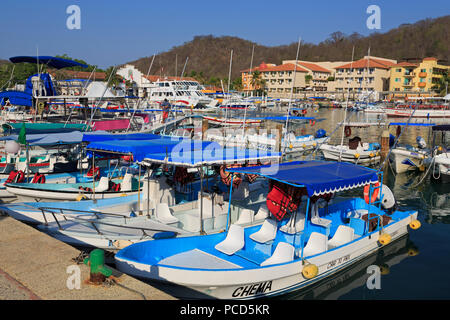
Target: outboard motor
{"points": [[389, 203], [320, 133], [421, 142]]}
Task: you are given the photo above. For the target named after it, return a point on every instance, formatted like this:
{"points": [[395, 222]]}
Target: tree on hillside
{"points": [[441, 86]]}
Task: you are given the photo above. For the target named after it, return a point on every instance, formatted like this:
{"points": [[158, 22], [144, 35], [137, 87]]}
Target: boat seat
{"points": [[343, 235], [317, 243], [317, 220], [246, 216], [267, 232], [299, 220], [284, 252], [233, 242], [262, 213], [126, 184], [103, 185], [163, 214]]}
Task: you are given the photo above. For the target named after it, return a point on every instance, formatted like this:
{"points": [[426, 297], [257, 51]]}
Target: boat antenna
{"points": [[229, 79], [346, 105], [245, 111], [291, 95], [101, 98]]}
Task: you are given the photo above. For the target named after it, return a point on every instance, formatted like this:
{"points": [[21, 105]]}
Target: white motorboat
{"points": [[294, 248], [356, 152]]}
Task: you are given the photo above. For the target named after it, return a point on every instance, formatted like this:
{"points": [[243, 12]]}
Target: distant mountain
{"points": [[211, 55]]}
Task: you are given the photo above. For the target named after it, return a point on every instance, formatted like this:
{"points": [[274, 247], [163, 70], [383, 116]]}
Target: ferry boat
{"points": [[294, 248], [180, 92]]}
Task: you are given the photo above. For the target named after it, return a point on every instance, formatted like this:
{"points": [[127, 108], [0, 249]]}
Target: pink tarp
{"points": [[119, 124]]}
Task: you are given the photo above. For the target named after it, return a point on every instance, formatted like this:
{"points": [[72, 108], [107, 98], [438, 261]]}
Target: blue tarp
{"points": [[318, 177], [98, 137], [138, 148], [209, 153], [54, 62]]}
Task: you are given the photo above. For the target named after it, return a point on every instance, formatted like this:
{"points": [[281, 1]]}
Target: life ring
{"points": [[312, 122], [304, 111], [348, 131], [375, 191]]}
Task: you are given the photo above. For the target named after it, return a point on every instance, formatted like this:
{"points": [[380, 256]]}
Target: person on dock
{"points": [[165, 106]]}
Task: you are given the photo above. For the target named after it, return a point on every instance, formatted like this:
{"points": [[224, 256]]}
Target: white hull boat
{"points": [[288, 252], [361, 155], [404, 160]]}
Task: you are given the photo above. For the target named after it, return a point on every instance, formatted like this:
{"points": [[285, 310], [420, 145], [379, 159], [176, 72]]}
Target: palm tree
{"points": [[257, 82], [441, 86]]}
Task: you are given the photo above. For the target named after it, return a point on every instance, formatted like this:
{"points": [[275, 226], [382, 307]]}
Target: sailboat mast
{"points": [[346, 106]]}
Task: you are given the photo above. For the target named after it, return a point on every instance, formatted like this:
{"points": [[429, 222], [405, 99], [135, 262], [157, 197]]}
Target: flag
{"points": [[22, 135]]}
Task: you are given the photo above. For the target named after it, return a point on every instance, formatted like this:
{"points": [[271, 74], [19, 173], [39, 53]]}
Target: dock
{"points": [[35, 266]]}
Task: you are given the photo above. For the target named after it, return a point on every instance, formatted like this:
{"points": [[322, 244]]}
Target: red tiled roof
{"points": [[405, 64], [364, 63], [313, 67], [430, 58], [283, 67]]}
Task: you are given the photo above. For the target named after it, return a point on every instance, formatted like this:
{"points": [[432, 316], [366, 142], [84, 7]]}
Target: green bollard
{"points": [[96, 262]]}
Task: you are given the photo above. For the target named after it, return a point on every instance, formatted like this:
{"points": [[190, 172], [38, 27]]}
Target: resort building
{"points": [[318, 78], [411, 79], [366, 74]]}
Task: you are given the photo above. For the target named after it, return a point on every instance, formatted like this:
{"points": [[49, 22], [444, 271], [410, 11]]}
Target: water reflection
{"points": [[356, 276]]}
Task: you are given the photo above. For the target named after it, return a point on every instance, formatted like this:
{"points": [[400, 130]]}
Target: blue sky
{"points": [[114, 32]]}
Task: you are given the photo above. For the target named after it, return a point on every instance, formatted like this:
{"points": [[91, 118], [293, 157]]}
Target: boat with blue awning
{"points": [[310, 234]]}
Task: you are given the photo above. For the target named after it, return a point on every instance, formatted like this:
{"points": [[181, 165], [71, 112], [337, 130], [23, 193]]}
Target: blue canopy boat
{"points": [[299, 244], [112, 224]]}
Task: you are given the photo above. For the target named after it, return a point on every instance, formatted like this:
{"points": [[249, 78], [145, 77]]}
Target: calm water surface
{"points": [[415, 266]]}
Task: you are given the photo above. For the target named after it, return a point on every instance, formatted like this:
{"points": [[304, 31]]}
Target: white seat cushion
{"points": [[317, 243], [163, 214], [343, 235], [284, 252], [267, 232], [233, 242]]}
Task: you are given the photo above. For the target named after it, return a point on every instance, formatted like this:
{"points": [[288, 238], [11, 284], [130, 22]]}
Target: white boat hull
{"points": [[354, 156], [266, 281], [403, 160]]}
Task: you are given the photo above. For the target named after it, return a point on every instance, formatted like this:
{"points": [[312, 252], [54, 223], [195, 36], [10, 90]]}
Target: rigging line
{"points": [[397, 139], [346, 104], [101, 98], [291, 96], [245, 112], [140, 99]]}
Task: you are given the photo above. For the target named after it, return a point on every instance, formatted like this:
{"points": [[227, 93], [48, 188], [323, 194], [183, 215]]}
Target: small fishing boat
{"points": [[104, 188], [406, 157], [230, 121], [356, 152], [263, 141], [295, 247]]}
